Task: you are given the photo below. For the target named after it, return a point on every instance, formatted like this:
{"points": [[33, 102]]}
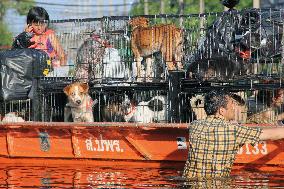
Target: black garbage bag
{"points": [[18, 68], [23, 40], [234, 41], [230, 3]]}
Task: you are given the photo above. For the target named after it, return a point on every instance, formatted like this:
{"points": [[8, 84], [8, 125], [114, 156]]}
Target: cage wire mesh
{"points": [[239, 50], [215, 45]]}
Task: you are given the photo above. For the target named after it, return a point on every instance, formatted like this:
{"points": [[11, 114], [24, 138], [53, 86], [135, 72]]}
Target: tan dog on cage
{"points": [[146, 40], [80, 104]]}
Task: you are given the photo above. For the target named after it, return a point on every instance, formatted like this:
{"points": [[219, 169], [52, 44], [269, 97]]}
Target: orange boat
{"points": [[112, 143]]}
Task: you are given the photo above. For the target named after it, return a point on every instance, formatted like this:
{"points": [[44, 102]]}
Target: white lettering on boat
{"points": [[259, 148], [101, 145]]}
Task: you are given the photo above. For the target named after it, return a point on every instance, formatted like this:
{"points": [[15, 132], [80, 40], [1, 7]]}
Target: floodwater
{"points": [[44, 177]]}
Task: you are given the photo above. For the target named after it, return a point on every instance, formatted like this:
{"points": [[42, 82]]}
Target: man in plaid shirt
{"points": [[214, 141]]}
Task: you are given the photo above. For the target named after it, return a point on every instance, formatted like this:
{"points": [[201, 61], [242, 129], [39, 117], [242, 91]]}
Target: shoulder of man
{"points": [[198, 122]]}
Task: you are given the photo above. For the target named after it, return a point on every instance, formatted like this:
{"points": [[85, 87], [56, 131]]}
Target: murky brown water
{"points": [[16, 176]]}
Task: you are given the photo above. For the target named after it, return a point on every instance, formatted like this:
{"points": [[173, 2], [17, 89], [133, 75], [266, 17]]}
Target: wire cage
{"points": [[157, 68], [223, 46]]}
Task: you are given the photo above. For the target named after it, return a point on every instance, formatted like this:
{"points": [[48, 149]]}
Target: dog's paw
{"points": [[140, 79], [149, 79]]}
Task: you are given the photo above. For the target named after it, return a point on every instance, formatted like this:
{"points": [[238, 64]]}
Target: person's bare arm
{"points": [[59, 50], [272, 133]]}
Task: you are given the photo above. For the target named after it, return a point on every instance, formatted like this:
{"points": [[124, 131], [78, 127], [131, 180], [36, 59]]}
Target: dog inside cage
{"points": [[16, 111], [128, 63], [254, 106], [227, 46], [137, 107]]}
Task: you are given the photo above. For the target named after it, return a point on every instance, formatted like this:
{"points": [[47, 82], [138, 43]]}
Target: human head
{"points": [[239, 100], [38, 18], [219, 102]]}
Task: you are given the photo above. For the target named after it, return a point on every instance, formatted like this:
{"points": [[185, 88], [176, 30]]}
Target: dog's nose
{"points": [[78, 101]]}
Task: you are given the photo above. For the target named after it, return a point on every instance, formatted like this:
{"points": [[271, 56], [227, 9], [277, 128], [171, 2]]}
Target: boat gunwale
{"points": [[88, 125], [76, 125]]}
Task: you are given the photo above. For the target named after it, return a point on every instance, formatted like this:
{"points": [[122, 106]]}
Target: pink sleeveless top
{"points": [[44, 43]]}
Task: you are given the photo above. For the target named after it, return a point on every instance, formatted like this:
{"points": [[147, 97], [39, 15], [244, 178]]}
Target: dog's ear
{"points": [[146, 22], [131, 22], [85, 87], [67, 89], [135, 21]]}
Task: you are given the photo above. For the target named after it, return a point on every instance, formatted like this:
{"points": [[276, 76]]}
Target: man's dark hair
{"points": [[37, 14], [238, 99], [214, 100]]}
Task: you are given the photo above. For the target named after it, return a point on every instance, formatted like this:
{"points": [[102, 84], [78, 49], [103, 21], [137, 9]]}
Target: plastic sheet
{"points": [[18, 68], [234, 40]]}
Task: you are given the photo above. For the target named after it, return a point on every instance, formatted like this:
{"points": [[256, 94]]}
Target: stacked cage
{"points": [[157, 68]]}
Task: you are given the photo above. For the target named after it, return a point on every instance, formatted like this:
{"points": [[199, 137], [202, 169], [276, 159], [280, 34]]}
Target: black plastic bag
{"points": [[230, 3], [18, 68], [234, 41], [23, 40]]}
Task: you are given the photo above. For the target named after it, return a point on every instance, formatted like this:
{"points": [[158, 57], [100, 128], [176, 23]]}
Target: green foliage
{"points": [[244, 4], [6, 36], [22, 7], [4, 5], [191, 6]]}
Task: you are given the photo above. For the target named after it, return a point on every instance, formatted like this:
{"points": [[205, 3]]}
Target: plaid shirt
{"points": [[213, 146]]}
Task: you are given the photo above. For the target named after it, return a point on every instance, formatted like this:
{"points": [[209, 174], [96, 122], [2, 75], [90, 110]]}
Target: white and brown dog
{"points": [[12, 117], [80, 104], [152, 111]]}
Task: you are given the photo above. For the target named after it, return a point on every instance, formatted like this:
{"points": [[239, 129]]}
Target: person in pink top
{"points": [[42, 37]]}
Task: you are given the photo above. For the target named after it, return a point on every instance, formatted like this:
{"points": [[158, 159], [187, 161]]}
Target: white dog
{"points": [[197, 105], [79, 104], [154, 110], [12, 117]]}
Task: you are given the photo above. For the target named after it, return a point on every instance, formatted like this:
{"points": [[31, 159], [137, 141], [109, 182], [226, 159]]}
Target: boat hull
{"points": [[113, 143]]}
